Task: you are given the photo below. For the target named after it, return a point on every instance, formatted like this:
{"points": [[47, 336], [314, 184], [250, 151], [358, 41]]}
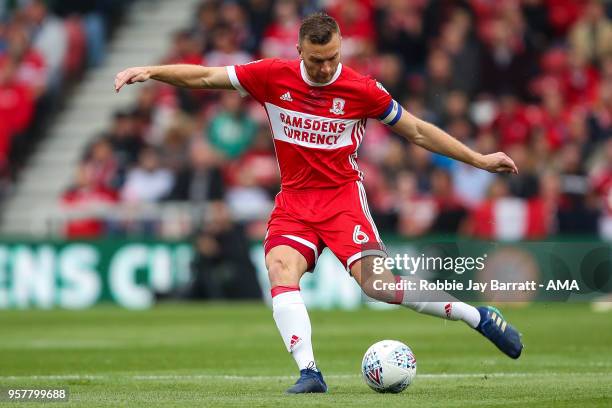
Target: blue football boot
{"points": [[310, 381], [493, 326]]}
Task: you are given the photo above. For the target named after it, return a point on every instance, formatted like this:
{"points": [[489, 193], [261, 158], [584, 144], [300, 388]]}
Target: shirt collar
{"points": [[311, 83]]}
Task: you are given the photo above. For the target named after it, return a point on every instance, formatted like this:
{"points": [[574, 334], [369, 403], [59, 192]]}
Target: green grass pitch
{"points": [[218, 355]]}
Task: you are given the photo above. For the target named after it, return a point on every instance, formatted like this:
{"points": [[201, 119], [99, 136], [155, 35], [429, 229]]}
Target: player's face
{"points": [[321, 61]]}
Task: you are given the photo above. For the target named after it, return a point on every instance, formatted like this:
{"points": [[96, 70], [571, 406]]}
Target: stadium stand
{"points": [[31, 207], [44, 49]]}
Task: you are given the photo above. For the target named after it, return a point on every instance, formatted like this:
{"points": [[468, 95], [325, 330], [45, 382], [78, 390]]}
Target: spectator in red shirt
{"points": [[280, 36], [601, 179], [580, 81], [416, 212], [186, 49], [84, 201], [16, 107], [511, 124], [32, 70], [554, 118], [601, 182], [563, 13], [101, 165], [260, 161], [355, 18]]}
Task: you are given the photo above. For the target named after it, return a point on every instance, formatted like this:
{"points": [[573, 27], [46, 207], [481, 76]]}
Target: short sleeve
{"points": [[378, 99], [251, 79]]}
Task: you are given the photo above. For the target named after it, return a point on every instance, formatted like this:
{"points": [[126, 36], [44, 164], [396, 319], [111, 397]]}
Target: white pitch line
{"points": [[271, 377]]}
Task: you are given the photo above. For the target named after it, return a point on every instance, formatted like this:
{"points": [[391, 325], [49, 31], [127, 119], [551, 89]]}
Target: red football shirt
{"points": [[317, 128]]}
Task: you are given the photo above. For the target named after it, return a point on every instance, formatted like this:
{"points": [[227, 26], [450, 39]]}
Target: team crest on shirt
{"points": [[338, 106]]}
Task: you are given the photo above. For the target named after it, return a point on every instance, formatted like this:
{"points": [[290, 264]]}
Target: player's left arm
{"points": [[436, 140]]}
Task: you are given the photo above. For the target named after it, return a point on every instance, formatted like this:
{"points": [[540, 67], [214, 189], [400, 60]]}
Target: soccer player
{"points": [[317, 109]]}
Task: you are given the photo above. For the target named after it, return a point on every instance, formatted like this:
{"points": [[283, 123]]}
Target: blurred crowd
{"points": [[44, 47], [530, 77]]}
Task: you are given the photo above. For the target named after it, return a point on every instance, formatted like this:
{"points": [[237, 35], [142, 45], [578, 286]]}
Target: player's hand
{"points": [[131, 75], [498, 163]]}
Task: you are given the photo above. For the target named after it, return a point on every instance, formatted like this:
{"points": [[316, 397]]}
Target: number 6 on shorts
{"points": [[359, 237]]}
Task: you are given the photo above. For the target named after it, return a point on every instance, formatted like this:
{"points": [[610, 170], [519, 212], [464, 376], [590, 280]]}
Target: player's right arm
{"points": [[183, 75]]}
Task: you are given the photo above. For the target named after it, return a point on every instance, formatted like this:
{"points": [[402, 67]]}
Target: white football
{"points": [[389, 366]]}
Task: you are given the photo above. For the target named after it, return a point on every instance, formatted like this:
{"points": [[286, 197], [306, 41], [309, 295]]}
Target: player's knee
{"points": [[377, 285], [369, 289], [275, 270], [279, 273]]}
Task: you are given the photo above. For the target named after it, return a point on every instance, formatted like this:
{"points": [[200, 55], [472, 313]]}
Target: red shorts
{"points": [[337, 218]]}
